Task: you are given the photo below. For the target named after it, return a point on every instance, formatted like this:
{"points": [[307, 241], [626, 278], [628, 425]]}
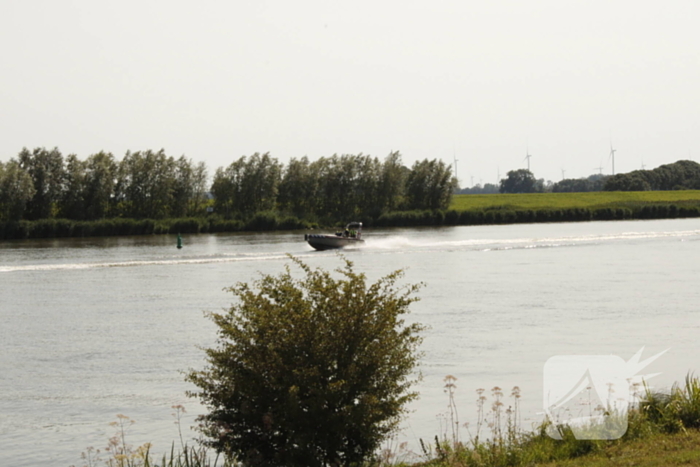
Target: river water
{"points": [[96, 327]]}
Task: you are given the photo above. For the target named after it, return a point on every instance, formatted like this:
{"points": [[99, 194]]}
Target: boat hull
{"points": [[332, 242]]}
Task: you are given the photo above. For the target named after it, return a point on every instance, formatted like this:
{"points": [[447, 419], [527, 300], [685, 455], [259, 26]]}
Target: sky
{"points": [[485, 83]]}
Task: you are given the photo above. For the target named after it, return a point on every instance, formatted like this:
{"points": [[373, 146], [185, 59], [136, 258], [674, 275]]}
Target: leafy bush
{"points": [[677, 410], [309, 372]]}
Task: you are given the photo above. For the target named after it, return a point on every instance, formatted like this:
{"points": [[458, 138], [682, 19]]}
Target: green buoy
{"points": [[179, 241]]}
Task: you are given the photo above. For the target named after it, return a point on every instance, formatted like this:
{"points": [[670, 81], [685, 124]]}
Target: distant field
{"points": [[552, 207], [556, 201]]}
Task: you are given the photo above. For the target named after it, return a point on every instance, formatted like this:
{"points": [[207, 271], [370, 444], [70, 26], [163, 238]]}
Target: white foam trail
{"points": [[401, 242], [387, 244], [152, 262], [390, 243]]}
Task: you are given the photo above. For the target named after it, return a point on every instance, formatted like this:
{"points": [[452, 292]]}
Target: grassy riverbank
{"points": [[661, 450], [654, 450], [552, 207], [61, 228], [657, 450], [592, 200], [663, 429], [464, 210]]}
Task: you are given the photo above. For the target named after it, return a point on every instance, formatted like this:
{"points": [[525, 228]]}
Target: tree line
{"points": [[680, 175], [337, 187], [43, 184], [523, 181]]}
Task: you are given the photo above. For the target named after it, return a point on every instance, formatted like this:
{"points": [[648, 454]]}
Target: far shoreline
{"points": [[464, 210]]}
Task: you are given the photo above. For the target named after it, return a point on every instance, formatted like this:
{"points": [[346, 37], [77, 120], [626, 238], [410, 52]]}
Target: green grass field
{"points": [[656, 451], [592, 200], [552, 207]]}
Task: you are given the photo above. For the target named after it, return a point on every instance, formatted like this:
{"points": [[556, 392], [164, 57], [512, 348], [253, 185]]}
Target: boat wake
{"points": [[493, 244], [390, 244], [150, 262]]}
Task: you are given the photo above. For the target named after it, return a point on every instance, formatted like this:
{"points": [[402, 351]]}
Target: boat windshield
{"points": [[353, 230]]}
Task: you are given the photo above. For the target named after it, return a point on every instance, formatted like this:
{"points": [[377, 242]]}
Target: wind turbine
{"points": [[599, 169], [527, 158], [612, 156], [563, 174], [643, 165], [454, 156]]}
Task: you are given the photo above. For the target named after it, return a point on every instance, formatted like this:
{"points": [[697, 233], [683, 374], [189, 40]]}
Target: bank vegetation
{"points": [[663, 429], [45, 194]]}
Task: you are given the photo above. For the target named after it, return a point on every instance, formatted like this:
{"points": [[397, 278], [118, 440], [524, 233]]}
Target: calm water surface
{"points": [[92, 328]]}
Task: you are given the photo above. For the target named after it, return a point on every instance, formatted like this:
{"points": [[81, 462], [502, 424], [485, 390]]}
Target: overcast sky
{"points": [[483, 80]]}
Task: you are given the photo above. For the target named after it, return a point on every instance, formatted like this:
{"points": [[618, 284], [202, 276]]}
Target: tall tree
{"points": [[183, 187], [298, 188], [46, 170], [248, 185], [225, 187], [330, 189], [16, 191], [260, 183], [393, 182], [430, 185], [200, 177], [348, 185], [146, 184], [100, 180], [73, 197], [367, 186]]}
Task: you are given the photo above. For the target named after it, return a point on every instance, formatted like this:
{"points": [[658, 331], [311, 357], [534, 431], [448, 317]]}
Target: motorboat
{"points": [[351, 236]]}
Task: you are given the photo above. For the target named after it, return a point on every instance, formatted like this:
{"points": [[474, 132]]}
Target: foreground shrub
{"points": [[309, 372], [677, 410]]}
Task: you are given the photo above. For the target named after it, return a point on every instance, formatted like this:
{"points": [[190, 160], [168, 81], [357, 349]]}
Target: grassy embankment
{"points": [[592, 200], [662, 430], [658, 450], [664, 450], [464, 210], [554, 207], [58, 228]]}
